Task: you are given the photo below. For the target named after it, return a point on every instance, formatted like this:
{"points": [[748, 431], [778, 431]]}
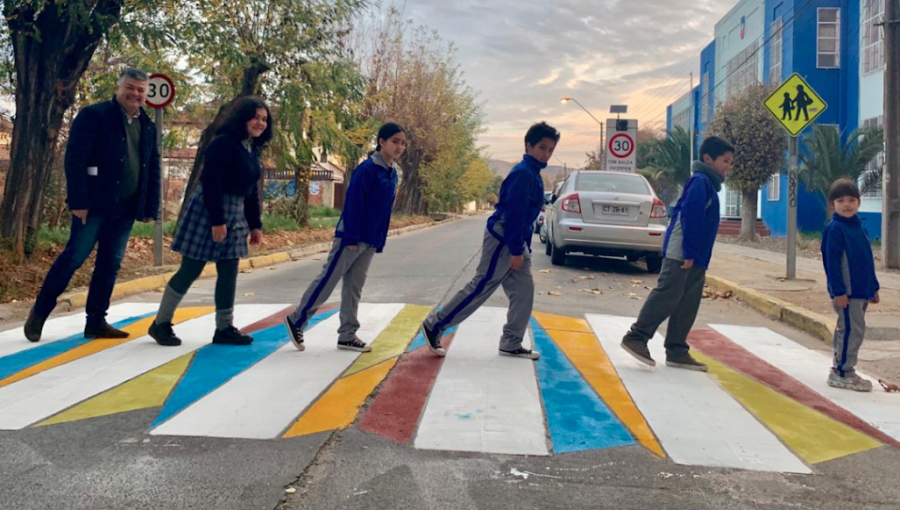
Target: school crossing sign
{"points": [[795, 104]]}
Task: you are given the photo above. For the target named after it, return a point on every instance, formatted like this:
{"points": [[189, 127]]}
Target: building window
{"points": [[872, 44], [742, 70], [774, 188], [828, 47], [732, 203], [704, 98], [683, 118], [874, 168], [776, 51]]}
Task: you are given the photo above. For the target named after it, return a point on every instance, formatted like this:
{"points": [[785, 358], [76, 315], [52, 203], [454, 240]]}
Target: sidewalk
{"points": [[757, 278]]}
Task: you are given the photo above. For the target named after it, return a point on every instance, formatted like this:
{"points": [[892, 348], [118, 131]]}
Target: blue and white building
{"points": [[834, 44]]}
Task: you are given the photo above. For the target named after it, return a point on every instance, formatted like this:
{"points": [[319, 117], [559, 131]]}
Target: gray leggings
{"points": [[226, 281]]}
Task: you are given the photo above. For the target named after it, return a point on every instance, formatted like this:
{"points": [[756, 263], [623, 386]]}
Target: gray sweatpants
{"points": [[677, 298], [849, 335], [493, 271], [352, 267]]}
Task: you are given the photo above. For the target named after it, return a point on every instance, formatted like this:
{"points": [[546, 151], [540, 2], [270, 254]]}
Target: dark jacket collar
{"points": [[533, 164], [116, 107], [853, 220], [713, 174]]}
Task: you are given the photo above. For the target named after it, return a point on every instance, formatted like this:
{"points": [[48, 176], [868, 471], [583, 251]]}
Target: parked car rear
{"points": [[607, 213]]}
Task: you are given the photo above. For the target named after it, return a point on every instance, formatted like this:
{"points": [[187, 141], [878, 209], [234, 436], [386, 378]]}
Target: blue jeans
{"points": [[110, 234]]}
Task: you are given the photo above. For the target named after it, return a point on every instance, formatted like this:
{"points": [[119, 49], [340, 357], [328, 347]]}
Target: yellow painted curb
{"points": [[815, 324]]}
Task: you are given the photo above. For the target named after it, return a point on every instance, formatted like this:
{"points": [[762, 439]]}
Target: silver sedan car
{"points": [[606, 213]]}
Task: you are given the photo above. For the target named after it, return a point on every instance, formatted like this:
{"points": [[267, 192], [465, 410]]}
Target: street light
{"points": [[565, 100]]}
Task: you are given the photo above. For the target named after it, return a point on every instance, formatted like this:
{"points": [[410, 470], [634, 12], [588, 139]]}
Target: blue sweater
{"points": [[521, 199], [367, 210], [843, 241], [697, 212]]}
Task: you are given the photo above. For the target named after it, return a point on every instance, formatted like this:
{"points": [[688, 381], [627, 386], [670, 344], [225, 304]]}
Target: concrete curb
{"points": [[78, 299], [815, 324]]}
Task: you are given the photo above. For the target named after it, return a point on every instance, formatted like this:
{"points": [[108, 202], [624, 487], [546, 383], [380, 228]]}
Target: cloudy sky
{"points": [[523, 56]]}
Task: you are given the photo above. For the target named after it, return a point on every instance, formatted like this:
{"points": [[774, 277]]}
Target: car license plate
{"points": [[616, 210]]}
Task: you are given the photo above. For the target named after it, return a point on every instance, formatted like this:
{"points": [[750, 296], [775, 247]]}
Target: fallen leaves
{"points": [[546, 271], [709, 293], [889, 387], [632, 295], [554, 293], [596, 292], [249, 294], [637, 282]]}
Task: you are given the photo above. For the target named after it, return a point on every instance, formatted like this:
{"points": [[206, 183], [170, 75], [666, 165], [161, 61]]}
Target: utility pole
{"points": [[890, 226]]}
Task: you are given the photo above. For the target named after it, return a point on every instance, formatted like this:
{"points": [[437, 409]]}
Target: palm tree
{"points": [[667, 162], [825, 160]]}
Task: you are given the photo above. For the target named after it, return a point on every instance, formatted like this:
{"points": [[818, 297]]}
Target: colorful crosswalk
{"points": [[763, 406]]}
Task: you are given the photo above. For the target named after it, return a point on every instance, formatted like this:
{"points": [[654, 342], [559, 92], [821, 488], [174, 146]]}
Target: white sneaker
{"points": [[851, 382]]}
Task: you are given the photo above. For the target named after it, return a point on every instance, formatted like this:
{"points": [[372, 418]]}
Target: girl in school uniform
{"points": [[360, 234], [221, 213]]}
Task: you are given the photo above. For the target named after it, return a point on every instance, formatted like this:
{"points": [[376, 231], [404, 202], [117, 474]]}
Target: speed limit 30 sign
{"points": [[161, 91], [621, 145]]}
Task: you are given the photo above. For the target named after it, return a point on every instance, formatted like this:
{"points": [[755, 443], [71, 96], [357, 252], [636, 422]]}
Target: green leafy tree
{"points": [[666, 162], [826, 160], [760, 144]]}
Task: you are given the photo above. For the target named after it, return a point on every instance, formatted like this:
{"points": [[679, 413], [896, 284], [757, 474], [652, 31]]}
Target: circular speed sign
{"points": [[621, 145], [161, 91]]}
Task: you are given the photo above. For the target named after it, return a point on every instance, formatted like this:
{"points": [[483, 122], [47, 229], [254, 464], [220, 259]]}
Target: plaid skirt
{"points": [[193, 239]]}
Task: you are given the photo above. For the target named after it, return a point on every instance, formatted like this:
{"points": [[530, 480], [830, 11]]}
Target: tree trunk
{"points": [[48, 69], [409, 199], [249, 86], [749, 207]]}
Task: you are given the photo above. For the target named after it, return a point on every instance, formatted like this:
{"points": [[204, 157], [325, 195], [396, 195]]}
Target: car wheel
{"points": [[548, 245], [537, 228], [654, 263], [542, 237], [557, 255]]}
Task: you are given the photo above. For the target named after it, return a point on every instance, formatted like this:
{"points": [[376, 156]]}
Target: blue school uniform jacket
{"points": [[367, 210], [697, 213], [521, 199], [847, 257]]}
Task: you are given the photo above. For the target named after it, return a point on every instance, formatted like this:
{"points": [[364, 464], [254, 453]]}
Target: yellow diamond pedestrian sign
{"points": [[795, 104]]}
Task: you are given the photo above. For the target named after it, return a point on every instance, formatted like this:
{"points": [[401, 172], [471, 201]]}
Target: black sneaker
{"points": [[521, 353], [104, 331], [295, 334], [354, 344], [231, 336], [639, 350], [685, 361], [33, 327], [433, 341], [164, 334]]}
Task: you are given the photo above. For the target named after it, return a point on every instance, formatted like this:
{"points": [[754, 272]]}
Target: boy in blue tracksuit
{"points": [[686, 253], [360, 234], [852, 283], [506, 252]]}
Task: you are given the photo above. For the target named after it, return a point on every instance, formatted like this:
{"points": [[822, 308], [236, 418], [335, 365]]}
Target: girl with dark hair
{"points": [[221, 213], [360, 234]]}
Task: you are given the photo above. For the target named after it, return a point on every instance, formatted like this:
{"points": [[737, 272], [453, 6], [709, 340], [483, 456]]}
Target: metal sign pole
{"points": [[792, 209], [158, 230]]}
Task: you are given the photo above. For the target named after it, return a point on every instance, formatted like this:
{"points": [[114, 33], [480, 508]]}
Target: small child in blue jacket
{"points": [[361, 233], [505, 253], [852, 283], [686, 253]]}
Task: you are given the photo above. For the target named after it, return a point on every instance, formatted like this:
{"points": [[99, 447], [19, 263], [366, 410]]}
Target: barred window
{"points": [[742, 70], [776, 51], [774, 188], [872, 44], [874, 169], [829, 38]]}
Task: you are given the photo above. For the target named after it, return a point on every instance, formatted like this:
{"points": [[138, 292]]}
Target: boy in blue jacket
{"points": [[361, 233], [852, 285], [506, 252], [686, 253]]}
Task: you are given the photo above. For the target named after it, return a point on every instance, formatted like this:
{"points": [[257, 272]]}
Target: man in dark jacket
{"points": [[112, 179]]}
